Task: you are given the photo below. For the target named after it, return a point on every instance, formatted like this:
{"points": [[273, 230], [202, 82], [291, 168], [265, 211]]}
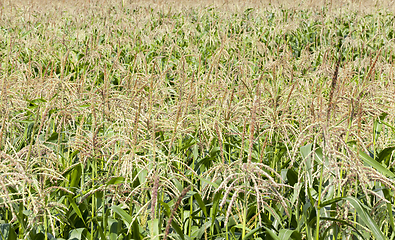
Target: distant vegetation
{"points": [[152, 122]]}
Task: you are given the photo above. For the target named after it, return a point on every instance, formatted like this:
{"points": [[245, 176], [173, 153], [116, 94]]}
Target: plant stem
{"points": [[317, 233]]}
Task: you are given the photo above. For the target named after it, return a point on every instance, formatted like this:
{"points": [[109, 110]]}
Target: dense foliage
{"points": [[146, 122]]}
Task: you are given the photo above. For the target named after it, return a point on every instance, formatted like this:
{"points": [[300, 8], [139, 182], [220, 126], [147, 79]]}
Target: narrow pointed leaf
{"points": [[115, 180], [75, 208], [376, 165], [125, 216], [201, 203], [365, 217]]}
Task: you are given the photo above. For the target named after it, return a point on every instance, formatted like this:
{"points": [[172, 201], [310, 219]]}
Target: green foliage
{"points": [[125, 122]]}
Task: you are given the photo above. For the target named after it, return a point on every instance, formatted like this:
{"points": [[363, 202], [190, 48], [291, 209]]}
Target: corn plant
{"points": [[134, 120]]}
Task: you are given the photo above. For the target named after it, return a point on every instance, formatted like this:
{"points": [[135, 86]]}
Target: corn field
{"points": [[165, 120]]}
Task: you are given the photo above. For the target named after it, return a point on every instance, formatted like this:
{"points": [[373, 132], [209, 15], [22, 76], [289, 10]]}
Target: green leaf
{"points": [[125, 216], [101, 233], [330, 201], [306, 154], [286, 234], [203, 229], [37, 235], [201, 203], [251, 233], [166, 206], [114, 228], [240, 226], [376, 165], [385, 154], [153, 225], [78, 234], [388, 196], [366, 218], [33, 103], [115, 180], [76, 177], [271, 234], [389, 125], [7, 232], [177, 227], [53, 138], [75, 207], [292, 177], [136, 231], [84, 106], [143, 176], [214, 209], [208, 182], [378, 125], [342, 222]]}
